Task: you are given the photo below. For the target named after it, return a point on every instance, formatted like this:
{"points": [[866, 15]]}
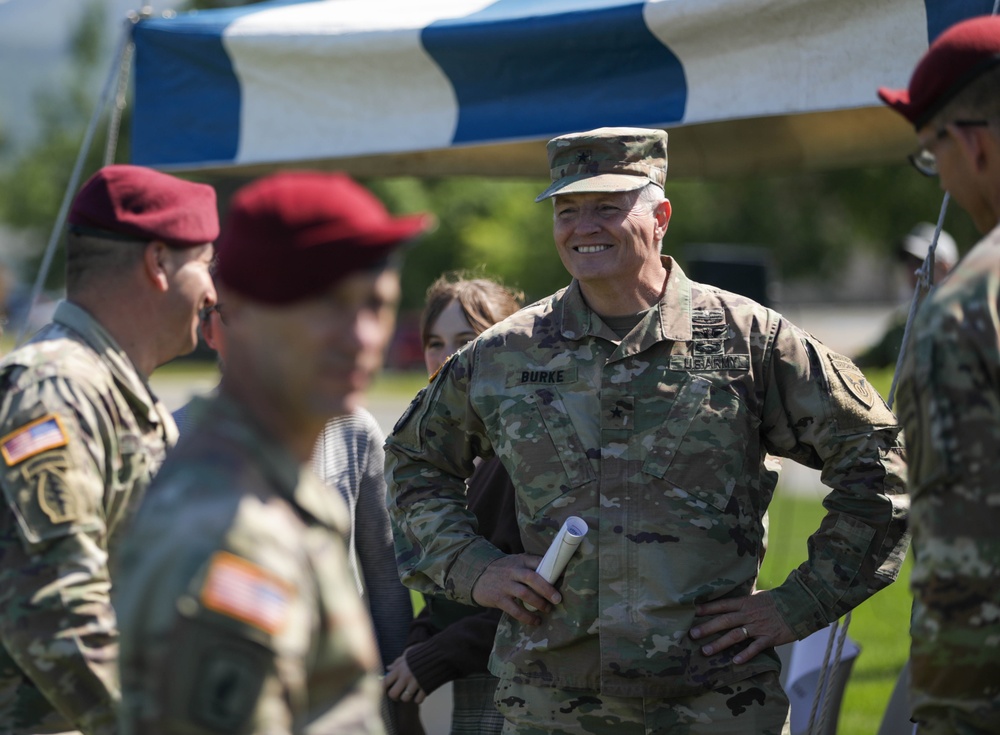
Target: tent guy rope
{"points": [[74, 180]]}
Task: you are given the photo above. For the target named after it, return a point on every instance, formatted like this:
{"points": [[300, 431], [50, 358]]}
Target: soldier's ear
{"points": [[662, 213], [155, 265]]}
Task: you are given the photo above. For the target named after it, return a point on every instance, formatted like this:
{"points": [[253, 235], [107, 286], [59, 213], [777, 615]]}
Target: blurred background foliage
{"points": [[812, 223]]}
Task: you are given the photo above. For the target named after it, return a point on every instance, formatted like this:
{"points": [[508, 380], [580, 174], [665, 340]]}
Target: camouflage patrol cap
{"points": [[606, 159]]}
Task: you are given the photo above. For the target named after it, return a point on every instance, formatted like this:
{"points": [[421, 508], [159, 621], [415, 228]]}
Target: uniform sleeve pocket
{"points": [[840, 552]]}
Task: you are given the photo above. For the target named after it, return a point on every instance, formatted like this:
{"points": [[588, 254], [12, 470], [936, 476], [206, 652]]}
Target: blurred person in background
{"points": [[238, 609], [949, 394], [912, 251], [349, 458], [451, 641], [81, 435]]}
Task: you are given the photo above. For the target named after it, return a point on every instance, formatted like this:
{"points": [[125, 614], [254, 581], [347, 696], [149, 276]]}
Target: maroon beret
{"points": [[133, 202], [956, 57], [292, 235]]}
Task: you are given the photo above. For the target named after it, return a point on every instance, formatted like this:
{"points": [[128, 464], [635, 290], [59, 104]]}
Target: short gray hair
{"points": [[651, 195]]}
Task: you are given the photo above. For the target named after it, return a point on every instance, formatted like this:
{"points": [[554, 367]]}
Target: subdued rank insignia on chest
{"points": [[34, 438], [48, 475], [854, 380]]}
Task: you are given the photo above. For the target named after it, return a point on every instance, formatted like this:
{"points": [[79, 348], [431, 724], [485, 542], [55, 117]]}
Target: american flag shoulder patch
{"points": [[34, 438], [240, 589]]}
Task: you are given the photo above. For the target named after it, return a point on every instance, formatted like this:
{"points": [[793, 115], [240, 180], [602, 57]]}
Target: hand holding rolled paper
{"points": [[553, 564]]}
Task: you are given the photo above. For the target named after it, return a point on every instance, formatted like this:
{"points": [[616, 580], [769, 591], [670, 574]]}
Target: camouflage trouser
{"points": [[755, 706]]}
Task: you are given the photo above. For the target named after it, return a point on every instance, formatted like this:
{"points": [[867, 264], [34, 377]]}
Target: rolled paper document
{"points": [[553, 564]]}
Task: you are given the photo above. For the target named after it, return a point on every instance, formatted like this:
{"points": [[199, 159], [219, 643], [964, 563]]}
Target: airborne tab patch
{"points": [[240, 589], [34, 438]]}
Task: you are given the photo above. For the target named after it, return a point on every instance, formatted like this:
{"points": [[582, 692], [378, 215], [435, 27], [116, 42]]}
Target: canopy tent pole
{"points": [[925, 281], [121, 57], [121, 98]]}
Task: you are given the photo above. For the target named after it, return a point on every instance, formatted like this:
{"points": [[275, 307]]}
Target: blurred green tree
{"points": [[32, 186], [811, 222]]}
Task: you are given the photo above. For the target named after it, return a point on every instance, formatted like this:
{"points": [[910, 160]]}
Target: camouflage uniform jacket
{"points": [[949, 403], [80, 436], [658, 441], [237, 608]]}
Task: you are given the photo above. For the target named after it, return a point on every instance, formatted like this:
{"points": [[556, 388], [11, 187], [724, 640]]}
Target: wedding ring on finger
{"points": [[746, 633]]}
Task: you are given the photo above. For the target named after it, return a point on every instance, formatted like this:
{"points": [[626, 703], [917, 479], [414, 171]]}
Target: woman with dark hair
{"points": [[450, 641]]}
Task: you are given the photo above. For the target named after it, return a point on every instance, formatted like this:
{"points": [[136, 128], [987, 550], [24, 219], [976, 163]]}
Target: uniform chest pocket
{"points": [[132, 473], [548, 457], [133, 461], [700, 446]]}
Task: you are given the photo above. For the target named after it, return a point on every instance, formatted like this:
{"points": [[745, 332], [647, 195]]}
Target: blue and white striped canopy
{"points": [[472, 86]]}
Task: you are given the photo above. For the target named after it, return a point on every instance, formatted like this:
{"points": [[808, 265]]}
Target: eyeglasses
{"points": [[926, 162], [206, 313]]}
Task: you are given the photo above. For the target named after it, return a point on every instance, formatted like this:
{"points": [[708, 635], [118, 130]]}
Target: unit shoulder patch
{"points": [[853, 380], [48, 473]]}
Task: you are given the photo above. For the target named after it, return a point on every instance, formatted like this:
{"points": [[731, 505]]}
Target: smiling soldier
{"points": [[644, 403]]}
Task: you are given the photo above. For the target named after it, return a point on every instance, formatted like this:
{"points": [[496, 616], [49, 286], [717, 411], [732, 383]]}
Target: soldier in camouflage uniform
{"points": [[81, 434], [645, 403], [949, 395], [239, 612]]}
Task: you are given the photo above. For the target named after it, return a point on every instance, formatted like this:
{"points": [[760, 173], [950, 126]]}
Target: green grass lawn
{"points": [[403, 384], [880, 626]]}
